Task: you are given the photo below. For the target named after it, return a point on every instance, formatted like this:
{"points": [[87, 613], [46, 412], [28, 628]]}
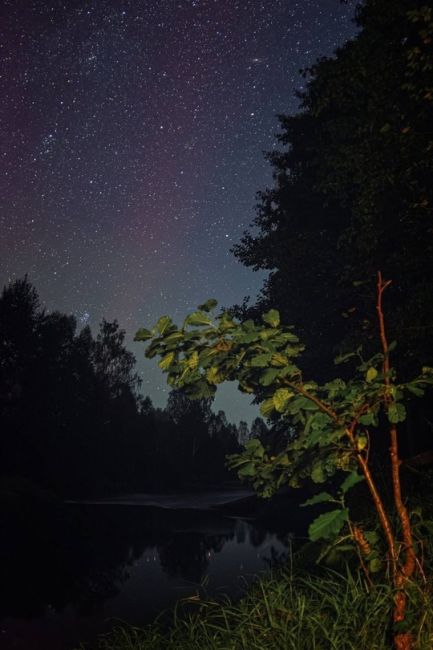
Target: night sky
{"points": [[132, 139]]}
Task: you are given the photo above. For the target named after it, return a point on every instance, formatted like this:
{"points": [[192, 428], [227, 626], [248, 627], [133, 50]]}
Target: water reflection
{"points": [[70, 569]]}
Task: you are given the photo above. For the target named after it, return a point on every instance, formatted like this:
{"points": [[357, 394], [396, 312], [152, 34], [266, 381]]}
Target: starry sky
{"points": [[132, 140]]}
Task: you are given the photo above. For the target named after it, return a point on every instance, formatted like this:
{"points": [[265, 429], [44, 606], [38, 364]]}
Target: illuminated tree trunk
{"points": [[404, 570]]}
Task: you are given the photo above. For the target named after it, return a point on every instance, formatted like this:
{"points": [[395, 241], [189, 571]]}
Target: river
{"points": [[71, 571]]}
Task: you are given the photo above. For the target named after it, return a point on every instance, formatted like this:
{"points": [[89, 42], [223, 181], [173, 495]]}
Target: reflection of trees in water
{"points": [[187, 555], [257, 536], [276, 558], [81, 556], [241, 528]]}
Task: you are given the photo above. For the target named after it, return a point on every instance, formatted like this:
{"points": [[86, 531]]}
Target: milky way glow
{"points": [[132, 147]]}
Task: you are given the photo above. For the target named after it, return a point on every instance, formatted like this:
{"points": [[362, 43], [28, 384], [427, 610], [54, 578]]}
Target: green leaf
{"points": [[318, 473], [197, 318], [352, 479], [253, 446], [371, 536], [192, 361], [279, 360], [261, 360], [396, 413], [375, 565], [282, 460], [367, 419], [272, 318], [163, 324], [415, 390], [322, 497], [214, 376], [371, 375], [267, 407], [328, 524], [247, 337], [342, 358], [306, 404], [268, 376], [249, 469], [226, 322], [208, 305], [173, 338], [166, 361], [143, 335], [280, 399]]}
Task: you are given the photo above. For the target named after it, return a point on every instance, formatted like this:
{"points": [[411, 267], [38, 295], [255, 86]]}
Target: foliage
{"points": [[352, 180], [286, 610], [262, 358], [332, 426]]}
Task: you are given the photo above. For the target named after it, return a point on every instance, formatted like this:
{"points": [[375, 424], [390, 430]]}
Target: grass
{"points": [[326, 611]]}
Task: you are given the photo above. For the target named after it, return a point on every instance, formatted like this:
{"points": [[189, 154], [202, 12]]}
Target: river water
{"points": [[72, 571]]}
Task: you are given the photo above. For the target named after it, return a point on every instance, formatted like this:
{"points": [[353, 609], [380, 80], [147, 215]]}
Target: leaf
{"points": [[396, 413], [279, 359], [322, 497], [143, 335], [352, 479], [226, 322], [253, 445], [268, 376], [214, 376], [328, 524], [415, 390], [342, 358], [282, 460], [367, 419], [280, 399], [371, 375], [375, 565], [192, 361], [197, 318], [163, 323], [173, 338], [166, 361], [306, 404], [247, 470], [248, 337], [267, 407], [371, 536], [208, 305], [261, 360], [318, 473], [272, 318]]}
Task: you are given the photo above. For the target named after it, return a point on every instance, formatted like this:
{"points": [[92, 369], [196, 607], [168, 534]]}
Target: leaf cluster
{"points": [[330, 424]]}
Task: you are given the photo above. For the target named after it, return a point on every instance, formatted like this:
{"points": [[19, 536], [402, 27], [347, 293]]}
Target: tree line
{"points": [[352, 194], [73, 420]]}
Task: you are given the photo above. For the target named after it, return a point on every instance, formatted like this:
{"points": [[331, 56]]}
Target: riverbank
{"points": [[282, 611]]}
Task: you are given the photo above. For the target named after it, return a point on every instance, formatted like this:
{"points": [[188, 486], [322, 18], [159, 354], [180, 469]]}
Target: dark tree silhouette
{"points": [[352, 192]]}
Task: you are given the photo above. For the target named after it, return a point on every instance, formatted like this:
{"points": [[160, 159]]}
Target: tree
{"points": [[352, 192], [331, 433], [113, 363], [67, 402]]}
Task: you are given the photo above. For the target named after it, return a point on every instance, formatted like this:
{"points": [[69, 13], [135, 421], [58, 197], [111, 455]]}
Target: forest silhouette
{"points": [[72, 418]]}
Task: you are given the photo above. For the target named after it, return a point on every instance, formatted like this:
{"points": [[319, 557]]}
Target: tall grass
{"points": [[330, 611]]}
